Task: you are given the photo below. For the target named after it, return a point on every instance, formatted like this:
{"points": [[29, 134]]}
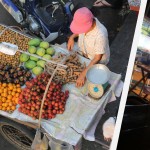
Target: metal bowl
{"points": [[98, 74]]}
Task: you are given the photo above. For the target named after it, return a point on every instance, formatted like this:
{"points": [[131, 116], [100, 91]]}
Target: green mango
{"points": [[34, 42]]}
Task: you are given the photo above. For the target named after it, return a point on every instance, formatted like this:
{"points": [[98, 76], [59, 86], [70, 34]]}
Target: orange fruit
{"points": [[9, 92], [17, 94], [7, 100], [14, 90], [13, 107], [18, 85], [13, 98], [4, 84], [16, 100], [6, 104], [9, 97], [1, 90], [10, 87], [18, 90], [13, 93], [9, 84], [10, 104], [3, 99], [8, 108], [5, 90], [3, 104], [3, 108], [0, 107], [4, 94]]}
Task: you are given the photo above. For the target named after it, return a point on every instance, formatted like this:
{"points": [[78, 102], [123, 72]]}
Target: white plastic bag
{"points": [[108, 128], [59, 145], [39, 143]]}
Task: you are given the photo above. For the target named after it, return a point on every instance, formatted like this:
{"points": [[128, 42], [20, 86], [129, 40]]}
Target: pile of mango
{"points": [[39, 48]]}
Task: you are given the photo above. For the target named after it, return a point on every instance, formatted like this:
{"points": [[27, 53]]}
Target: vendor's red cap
{"points": [[82, 21]]}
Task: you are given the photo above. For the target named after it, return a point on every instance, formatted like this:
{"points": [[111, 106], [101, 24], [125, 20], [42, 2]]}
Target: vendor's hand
{"points": [[70, 44], [81, 80]]}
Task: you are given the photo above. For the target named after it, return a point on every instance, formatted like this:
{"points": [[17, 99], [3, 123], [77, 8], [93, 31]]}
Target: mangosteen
{"points": [[1, 66], [31, 78], [2, 73], [11, 75], [7, 68], [1, 77], [7, 75], [12, 70], [28, 74], [16, 81], [21, 78], [15, 75], [19, 73], [18, 69], [23, 72], [25, 79], [9, 80], [4, 79]]}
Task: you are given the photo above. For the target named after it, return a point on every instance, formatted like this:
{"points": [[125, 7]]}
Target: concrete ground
{"points": [[120, 50]]}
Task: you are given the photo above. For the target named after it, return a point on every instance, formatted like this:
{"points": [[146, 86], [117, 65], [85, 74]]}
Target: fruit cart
{"points": [[77, 113]]}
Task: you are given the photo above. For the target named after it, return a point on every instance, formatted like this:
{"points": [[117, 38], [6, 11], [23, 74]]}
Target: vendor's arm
{"points": [[81, 79], [71, 41]]}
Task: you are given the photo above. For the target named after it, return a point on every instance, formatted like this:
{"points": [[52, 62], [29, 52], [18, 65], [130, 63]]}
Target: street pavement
{"points": [[118, 62]]}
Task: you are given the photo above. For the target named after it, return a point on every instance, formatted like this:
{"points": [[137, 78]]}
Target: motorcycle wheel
{"points": [[16, 134]]}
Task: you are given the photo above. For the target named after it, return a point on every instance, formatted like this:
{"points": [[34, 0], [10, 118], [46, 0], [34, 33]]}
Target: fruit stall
{"points": [[37, 89]]}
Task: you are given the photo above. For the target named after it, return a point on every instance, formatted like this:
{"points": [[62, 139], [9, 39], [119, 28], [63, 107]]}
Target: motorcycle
{"points": [[44, 18]]}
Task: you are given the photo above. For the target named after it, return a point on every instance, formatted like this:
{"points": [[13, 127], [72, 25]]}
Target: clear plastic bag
{"points": [[59, 145], [39, 143]]}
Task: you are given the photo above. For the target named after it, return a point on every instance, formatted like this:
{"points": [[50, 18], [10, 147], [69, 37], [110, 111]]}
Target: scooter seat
{"points": [[53, 23]]}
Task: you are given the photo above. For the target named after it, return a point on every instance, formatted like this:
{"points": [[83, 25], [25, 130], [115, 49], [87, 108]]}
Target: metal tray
{"points": [[98, 74]]}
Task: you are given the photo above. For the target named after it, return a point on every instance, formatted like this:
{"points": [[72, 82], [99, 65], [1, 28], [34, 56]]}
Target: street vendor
{"points": [[92, 40]]}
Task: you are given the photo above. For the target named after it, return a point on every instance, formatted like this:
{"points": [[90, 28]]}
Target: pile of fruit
{"points": [[17, 75], [40, 48], [31, 96], [9, 94], [69, 74], [16, 38], [1, 28]]}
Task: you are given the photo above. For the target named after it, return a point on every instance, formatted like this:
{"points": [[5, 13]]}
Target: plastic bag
{"points": [[39, 143], [108, 128], [59, 145]]}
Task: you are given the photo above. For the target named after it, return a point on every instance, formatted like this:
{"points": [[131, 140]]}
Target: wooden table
{"points": [[145, 70]]}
